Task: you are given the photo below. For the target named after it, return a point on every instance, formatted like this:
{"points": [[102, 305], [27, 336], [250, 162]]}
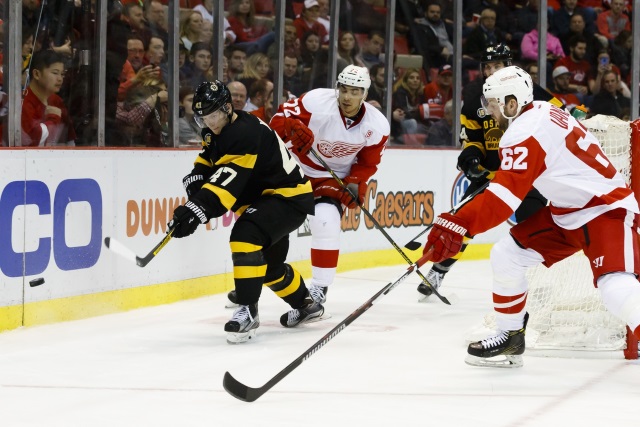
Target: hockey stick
{"points": [[413, 245], [122, 250], [377, 225], [249, 394]]}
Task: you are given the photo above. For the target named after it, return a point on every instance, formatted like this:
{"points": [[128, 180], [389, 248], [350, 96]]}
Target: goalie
{"points": [[591, 209]]}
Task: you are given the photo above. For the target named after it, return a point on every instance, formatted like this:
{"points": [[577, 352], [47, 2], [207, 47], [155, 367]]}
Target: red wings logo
{"points": [[337, 149]]}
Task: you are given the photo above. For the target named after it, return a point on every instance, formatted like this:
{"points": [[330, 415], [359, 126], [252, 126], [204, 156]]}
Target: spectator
{"points": [[441, 132], [611, 101], [323, 16], [560, 20], [485, 34], [473, 11], [154, 55], [156, 22], [237, 60], [238, 95], [577, 28], [434, 37], [370, 54], [348, 51], [45, 120], [188, 130], [142, 116], [200, 64], [257, 67], [291, 45], [578, 67], [258, 94], [529, 47], [532, 69], [613, 21], [378, 89], [251, 36], [266, 112], [133, 14], [621, 53], [206, 10], [308, 21], [440, 90], [360, 17], [560, 88], [191, 29], [603, 66], [292, 76], [133, 72], [314, 62], [407, 102]]}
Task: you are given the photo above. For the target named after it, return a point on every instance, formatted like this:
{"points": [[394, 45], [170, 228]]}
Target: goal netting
{"points": [[566, 313]]}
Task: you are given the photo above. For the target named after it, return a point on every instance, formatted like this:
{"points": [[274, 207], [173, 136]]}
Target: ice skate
{"points": [[502, 350], [318, 293], [232, 300], [242, 326], [312, 311], [435, 280]]}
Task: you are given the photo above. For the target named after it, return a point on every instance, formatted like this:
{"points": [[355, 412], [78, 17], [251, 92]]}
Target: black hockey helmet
{"points": [[210, 97], [497, 52]]}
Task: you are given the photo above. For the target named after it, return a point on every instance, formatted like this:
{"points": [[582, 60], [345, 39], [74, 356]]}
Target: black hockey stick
{"points": [[378, 226], [413, 244], [122, 250], [249, 394]]}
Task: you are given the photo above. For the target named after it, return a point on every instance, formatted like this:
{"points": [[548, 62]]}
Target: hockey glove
{"points": [[193, 183], [474, 171], [354, 188], [301, 136], [186, 219], [445, 237]]}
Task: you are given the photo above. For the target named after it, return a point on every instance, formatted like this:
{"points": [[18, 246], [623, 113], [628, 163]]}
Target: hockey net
{"points": [[567, 316]]}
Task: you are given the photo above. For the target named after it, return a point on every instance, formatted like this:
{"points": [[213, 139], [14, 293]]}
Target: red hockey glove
{"points": [[446, 237], [355, 188], [301, 136]]}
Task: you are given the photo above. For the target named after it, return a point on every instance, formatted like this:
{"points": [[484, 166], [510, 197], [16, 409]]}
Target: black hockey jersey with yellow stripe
{"points": [[479, 132], [246, 161]]}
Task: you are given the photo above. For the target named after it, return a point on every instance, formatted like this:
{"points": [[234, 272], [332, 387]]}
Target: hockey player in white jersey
{"points": [[350, 135], [591, 209]]}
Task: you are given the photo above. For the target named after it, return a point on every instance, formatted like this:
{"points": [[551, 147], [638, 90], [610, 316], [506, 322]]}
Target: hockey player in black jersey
{"points": [[480, 136], [244, 167]]}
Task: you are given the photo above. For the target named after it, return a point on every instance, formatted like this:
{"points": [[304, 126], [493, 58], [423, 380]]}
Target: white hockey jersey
{"points": [[547, 148], [350, 147]]}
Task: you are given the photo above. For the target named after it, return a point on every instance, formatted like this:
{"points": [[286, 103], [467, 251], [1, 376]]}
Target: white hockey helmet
{"points": [[507, 81], [355, 76]]}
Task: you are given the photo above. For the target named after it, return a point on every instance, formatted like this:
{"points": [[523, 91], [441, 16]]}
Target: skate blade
{"points": [[324, 316], [503, 361], [240, 337], [423, 298], [229, 304]]}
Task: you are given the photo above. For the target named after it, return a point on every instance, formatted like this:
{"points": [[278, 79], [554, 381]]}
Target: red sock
{"points": [[636, 332]]}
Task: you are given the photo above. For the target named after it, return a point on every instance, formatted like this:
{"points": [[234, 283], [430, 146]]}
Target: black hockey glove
{"points": [[193, 183], [186, 219], [474, 171]]}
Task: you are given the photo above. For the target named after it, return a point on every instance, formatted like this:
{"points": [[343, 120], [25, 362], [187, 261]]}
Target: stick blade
{"points": [[413, 245], [120, 249], [238, 390]]}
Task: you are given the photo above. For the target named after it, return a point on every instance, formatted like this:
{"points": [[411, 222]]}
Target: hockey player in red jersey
{"points": [[591, 209], [350, 136], [244, 167]]}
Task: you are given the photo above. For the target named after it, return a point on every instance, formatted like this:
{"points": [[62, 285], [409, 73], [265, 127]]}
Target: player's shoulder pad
{"points": [[318, 100], [377, 120]]}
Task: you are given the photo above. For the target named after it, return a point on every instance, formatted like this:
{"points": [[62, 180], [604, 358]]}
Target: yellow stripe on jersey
{"points": [[241, 210], [203, 161], [469, 124], [289, 191], [555, 101], [225, 197], [247, 161], [249, 271], [293, 286], [244, 247]]}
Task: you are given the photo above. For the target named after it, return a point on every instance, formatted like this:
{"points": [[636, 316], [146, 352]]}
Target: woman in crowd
{"points": [[250, 36], [257, 67], [406, 104], [191, 29]]}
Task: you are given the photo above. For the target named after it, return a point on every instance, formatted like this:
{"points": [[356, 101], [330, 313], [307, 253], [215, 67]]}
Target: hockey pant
{"points": [[610, 243], [259, 246]]}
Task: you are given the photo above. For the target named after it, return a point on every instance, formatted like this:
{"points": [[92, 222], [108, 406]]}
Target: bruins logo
{"points": [[214, 87], [481, 113]]}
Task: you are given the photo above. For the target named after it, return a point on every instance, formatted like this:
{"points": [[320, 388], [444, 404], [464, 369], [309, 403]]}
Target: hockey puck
{"points": [[36, 282]]}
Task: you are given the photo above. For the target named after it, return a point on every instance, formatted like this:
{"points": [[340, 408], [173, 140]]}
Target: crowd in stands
{"points": [[588, 60]]}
